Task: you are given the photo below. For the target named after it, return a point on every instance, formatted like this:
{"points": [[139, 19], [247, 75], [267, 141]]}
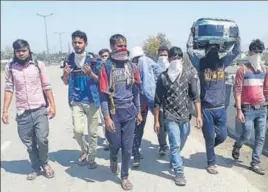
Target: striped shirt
{"points": [[26, 81], [251, 86]]}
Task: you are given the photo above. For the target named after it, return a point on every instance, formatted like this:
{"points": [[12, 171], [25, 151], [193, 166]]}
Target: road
{"points": [[153, 175]]}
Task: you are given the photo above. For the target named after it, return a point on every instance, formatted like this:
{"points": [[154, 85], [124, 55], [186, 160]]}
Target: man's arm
{"points": [[238, 86], [194, 55], [46, 86], [265, 86], [136, 88], [9, 89], [194, 91], [229, 58], [158, 100], [103, 87]]}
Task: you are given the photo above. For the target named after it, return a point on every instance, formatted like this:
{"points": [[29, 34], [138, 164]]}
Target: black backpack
{"points": [[36, 65]]}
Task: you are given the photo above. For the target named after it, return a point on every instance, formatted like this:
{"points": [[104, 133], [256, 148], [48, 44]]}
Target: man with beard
{"points": [[120, 104], [104, 54], [174, 90], [212, 80], [81, 75], [28, 78], [251, 96], [149, 71]]}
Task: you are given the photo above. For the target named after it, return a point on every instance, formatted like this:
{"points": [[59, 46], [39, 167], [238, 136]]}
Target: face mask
{"points": [[22, 62], [255, 61], [163, 61], [175, 69], [212, 59]]}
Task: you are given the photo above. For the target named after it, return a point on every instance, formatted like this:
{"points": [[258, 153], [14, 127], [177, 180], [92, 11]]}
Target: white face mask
{"points": [[255, 61], [175, 69], [163, 61]]}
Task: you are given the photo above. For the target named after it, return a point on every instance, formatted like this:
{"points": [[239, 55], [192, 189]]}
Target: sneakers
{"points": [[212, 169], [163, 150], [236, 152], [136, 163], [180, 180], [92, 165]]}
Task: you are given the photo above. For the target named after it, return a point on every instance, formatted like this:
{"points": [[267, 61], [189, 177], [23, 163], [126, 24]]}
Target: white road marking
{"points": [[5, 145]]}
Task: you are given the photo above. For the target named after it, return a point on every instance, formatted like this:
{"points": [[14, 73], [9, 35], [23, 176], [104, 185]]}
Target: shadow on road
{"points": [[198, 161], [101, 174], [66, 158], [17, 167]]}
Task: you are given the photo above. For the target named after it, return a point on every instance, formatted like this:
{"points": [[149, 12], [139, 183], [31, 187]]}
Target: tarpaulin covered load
{"points": [[214, 31]]}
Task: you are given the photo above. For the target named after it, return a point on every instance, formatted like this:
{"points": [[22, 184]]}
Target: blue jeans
{"points": [[214, 122], [177, 135], [254, 119]]}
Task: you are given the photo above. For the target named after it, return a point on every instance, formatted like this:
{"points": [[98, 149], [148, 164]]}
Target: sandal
{"points": [[257, 169], [82, 161], [48, 171], [126, 184], [212, 169], [33, 175], [114, 167]]}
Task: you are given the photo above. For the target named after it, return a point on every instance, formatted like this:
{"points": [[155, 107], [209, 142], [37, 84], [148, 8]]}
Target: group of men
{"points": [[126, 85]]}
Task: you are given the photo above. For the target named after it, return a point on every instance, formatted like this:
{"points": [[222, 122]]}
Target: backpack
{"points": [[36, 65]]}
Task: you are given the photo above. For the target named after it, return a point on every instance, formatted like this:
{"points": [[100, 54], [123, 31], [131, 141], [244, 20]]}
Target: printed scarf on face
{"points": [[119, 57], [122, 55]]}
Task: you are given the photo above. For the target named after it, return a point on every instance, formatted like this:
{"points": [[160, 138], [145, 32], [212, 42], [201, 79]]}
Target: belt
{"points": [[256, 107]]}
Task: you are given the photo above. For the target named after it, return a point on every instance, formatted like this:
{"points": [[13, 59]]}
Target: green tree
{"points": [[151, 45]]}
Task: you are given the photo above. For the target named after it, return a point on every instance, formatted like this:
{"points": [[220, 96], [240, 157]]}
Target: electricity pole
{"points": [[45, 21], [60, 33]]}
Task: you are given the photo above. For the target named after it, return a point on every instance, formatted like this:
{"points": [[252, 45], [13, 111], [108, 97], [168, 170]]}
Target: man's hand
{"points": [[67, 70], [139, 118], [109, 124], [199, 122], [157, 127], [87, 69], [5, 117], [240, 116], [51, 112]]}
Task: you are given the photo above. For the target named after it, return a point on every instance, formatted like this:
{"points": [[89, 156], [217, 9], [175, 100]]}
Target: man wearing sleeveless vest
{"points": [[251, 97], [81, 75], [120, 104], [212, 82]]}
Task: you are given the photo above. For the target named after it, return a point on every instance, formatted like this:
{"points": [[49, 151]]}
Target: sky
{"points": [[136, 20]]}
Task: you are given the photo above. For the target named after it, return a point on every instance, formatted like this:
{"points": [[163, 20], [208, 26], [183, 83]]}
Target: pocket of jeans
{"points": [[131, 112]]}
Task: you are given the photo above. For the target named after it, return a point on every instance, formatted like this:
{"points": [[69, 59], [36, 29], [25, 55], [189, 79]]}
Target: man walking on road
{"points": [[120, 103], [173, 89], [28, 79], [162, 135], [149, 71], [104, 54], [212, 81], [251, 97], [81, 75]]}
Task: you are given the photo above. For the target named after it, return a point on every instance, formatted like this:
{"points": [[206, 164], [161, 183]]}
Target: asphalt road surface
{"points": [[153, 175]]}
